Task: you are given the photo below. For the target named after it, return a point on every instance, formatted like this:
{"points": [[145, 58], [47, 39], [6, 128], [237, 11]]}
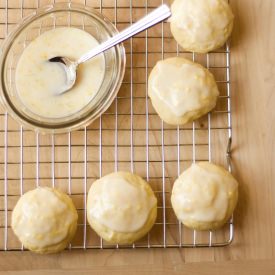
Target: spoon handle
{"points": [[146, 22]]}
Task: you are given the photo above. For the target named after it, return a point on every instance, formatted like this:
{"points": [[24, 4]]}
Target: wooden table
{"points": [[252, 252]]}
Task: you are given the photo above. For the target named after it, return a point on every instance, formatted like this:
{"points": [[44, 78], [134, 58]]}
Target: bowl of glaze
{"points": [[60, 15]]}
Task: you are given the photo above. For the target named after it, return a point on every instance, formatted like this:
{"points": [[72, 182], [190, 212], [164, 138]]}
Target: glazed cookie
{"points": [[201, 25], [121, 207], [44, 220], [204, 196], [181, 90]]}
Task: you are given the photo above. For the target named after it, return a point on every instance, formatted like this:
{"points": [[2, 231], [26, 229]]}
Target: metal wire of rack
{"points": [[129, 136]]}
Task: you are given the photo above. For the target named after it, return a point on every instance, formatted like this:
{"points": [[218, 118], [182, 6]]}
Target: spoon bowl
{"points": [[70, 68]]}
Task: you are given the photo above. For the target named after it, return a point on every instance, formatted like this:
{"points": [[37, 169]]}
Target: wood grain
{"points": [[252, 252]]}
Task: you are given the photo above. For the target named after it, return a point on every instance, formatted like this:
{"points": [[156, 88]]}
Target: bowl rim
{"points": [[101, 106]]}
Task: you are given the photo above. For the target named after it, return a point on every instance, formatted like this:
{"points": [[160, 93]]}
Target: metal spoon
{"points": [[70, 66]]}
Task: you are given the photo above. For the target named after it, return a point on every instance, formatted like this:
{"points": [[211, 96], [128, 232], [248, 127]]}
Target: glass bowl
{"points": [[44, 19]]}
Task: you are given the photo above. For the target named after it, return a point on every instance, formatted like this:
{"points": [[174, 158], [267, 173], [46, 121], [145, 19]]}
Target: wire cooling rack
{"points": [[129, 136]]}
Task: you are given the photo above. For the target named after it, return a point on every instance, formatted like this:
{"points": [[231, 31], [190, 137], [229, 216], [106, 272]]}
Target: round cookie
{"points": [[201, 25], [204, 196], [44, 220], [121, 207], [181, 90]]}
